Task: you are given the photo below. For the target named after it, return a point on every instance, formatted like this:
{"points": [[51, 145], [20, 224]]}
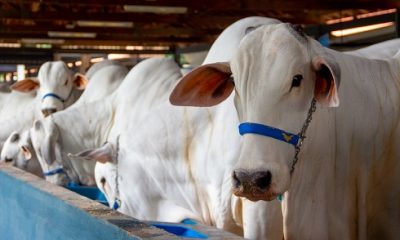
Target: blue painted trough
{"points": [[31, 208]]}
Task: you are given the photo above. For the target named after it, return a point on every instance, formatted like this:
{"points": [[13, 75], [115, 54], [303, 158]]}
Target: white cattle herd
{"points": [[269, 114]]}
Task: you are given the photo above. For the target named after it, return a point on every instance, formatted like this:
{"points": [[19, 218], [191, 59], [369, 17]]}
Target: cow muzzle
{"points": [[253, 185]]}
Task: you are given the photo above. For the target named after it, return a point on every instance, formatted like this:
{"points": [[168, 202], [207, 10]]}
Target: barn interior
{"points": [[84, 32]]}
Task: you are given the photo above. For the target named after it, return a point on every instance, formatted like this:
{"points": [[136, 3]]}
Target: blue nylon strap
{"points": [[267, 131], [54, 96], [117, 204], [54, 172]]}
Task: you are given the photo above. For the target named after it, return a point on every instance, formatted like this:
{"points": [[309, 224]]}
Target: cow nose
{"points": [[244, 181], [47, 111]]}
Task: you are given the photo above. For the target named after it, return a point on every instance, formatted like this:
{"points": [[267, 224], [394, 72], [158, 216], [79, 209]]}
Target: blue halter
{"points": [[267, 131], [54, 96], [294, 139], [54, 172]]}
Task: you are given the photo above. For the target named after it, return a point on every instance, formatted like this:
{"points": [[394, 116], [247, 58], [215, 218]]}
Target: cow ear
{"points": [[206, 86], [80, 81], [26, 85], [26, 152], [104, 154], [14, 137], [327, 80]]}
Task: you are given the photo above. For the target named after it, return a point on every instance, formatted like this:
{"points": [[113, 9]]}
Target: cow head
{"points": [[276, 73], [55, 86], [105, 169], [45, 141], [18, 149], [11, 151]]}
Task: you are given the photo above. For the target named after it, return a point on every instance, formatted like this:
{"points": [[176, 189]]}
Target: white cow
{"points": [[55, 89], [380, 50], [344, 185], [103, 78], [18, 150], [141, 88]]}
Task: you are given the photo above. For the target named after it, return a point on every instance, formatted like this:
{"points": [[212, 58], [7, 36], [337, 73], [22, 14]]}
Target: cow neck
{"points": [[117, 200]]}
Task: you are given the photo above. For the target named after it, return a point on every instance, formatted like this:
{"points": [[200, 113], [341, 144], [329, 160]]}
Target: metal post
{"points": [[177, 56], [85, 63], [397, 21]]}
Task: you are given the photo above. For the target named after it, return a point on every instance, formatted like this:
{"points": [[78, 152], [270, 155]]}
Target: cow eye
{"points": [[296, 81], [65, 83]]}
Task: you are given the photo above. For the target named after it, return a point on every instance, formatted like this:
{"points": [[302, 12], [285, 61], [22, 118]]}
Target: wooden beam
{"points": [[135, 31], [107, 2], [216, 19], [232, 4], [320, 5], [110, 38], [73, 16], [33, 52], [320, 30]]}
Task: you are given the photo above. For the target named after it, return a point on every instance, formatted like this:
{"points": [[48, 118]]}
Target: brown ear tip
{"points": [[174, 100]]}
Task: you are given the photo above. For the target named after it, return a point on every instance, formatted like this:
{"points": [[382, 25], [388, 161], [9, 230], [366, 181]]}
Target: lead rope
{"points": [[302, 135], [117, 200]]}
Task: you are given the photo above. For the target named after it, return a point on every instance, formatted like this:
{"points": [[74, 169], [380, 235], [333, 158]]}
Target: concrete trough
{"points": [[31, 208]]}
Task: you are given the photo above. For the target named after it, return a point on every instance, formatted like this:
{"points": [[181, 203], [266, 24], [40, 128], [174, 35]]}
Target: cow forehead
{"points": [[271, 39], [270, 53], [53, 73]]}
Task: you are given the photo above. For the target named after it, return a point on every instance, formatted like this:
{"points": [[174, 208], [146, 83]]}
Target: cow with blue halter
{"points": [[55, 88], [320, 130]]}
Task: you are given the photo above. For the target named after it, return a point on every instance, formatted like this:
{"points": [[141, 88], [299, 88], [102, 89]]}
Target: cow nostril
{"points": [[236, 181], [263, 180], [8, 159]]}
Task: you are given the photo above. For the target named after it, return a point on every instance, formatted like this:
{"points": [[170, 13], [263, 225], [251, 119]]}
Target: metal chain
{"points": [[302, 133], [117, 201]]}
